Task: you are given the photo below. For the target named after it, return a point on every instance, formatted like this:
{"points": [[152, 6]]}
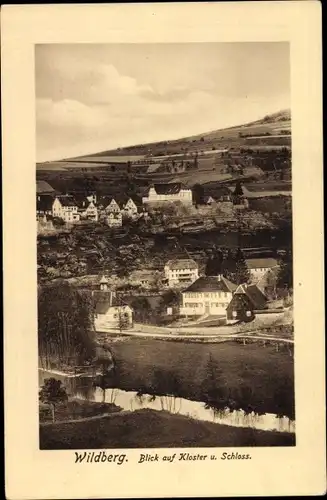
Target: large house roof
{"points": [[255, 295], [211, 284], [182, 264], [67, 200], [264, 263], [44, 187], [171, 188], [240, 301], [44, 202]]}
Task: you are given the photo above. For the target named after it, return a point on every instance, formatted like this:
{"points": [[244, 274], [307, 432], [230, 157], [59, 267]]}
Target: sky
{"points": [[91, 98]]}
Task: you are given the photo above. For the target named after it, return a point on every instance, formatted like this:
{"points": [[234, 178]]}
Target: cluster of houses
{"points": [[201, 296], [72, 208], [216, 295]]}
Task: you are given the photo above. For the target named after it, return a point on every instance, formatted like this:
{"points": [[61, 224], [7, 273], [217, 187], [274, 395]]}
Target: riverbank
{"points": [[151, 429]]}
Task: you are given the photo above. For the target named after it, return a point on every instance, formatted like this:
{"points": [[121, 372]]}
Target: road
{"points": [[214, 333]]}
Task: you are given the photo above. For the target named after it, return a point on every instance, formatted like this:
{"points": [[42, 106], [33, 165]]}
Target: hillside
{"points": [[276, 124]]}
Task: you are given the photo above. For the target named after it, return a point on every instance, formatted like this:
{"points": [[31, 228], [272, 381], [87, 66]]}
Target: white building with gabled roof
{"points": [[208, 295], [171, 192], [65, 207], [181, 271]]}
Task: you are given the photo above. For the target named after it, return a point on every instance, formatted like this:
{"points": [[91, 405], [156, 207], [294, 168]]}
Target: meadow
{"points": [[151, 429]]}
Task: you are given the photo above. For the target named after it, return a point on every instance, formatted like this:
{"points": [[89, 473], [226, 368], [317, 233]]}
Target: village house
{"points": [[91, 212], [114, 219], [181, 271], [113, 207], [207, 296], [65, 207], [246, 300], [86, 207], [163, 193], [110, 312], [130, 208], [259, 267]]}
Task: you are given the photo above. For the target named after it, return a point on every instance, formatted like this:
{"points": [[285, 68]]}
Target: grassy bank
{"points": [[74, 409], [151, 429]]}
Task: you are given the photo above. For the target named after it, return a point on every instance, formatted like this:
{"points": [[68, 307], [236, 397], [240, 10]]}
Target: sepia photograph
{"points": [[164, 245], [163, 250]]}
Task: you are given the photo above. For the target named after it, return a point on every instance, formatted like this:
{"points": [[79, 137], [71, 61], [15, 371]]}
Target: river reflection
{"points": [[84, 388]]}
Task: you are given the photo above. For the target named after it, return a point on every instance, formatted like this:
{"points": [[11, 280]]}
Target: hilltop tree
{"points": [[53, 393]]}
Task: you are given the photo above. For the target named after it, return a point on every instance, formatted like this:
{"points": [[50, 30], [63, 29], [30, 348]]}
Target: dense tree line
{"points": [[229, 263], [65, 326]]}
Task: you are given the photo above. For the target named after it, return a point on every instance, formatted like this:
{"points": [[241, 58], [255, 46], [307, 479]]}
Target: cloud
{"points": [[83, 108]]}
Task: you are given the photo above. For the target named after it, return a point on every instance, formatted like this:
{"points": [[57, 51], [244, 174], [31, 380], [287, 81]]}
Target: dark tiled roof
{"points": [[81, 200], [240, 302], [104, 201], [43, 187], [182, 264], [261, 263], [211, 284], [172, 188], [122, 199], [254, 294], [44, 202], [67, 200]]}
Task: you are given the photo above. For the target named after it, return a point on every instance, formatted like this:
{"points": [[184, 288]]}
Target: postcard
{"points": [[163, 250]]}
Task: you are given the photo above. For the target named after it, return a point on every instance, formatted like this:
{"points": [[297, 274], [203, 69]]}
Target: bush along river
{"points": [[100, 388]]}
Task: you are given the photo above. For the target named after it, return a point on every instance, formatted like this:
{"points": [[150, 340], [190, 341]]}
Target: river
{"points": [[83, 388]]}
